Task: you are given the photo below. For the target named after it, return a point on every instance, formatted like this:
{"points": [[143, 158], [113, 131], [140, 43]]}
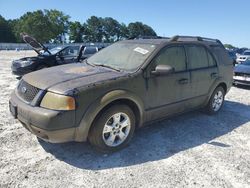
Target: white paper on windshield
{"points": [[141, 50]]}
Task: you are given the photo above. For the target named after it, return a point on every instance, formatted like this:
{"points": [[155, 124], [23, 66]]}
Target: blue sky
{"points": [[226, 20]]}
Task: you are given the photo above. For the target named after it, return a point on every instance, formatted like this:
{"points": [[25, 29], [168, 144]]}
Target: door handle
{"points": [[183, 81], [214, 75]]}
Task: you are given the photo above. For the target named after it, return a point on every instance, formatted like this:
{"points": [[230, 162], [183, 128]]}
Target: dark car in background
{"points": [[242, 73], [50, 57], [233, 56]]}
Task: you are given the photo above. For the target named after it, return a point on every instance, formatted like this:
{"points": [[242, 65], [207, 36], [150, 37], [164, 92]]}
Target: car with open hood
{"points": [[49, 57], [123, 87]]}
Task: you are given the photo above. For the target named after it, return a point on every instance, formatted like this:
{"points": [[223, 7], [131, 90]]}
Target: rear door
{"points": [[203, 70]]}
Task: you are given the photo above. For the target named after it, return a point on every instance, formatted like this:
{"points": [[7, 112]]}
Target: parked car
{"points": [[242, 73], [122, 87], [243, 57], [49, 57], [232, 55]]}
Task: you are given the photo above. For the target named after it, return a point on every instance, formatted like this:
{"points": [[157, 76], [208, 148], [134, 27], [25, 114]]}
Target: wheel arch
{"points": [[104, 102], [213, 87]]}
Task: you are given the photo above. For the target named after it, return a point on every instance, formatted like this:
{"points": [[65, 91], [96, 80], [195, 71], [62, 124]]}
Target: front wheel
{"points": [[216, 101], [113, 129]]}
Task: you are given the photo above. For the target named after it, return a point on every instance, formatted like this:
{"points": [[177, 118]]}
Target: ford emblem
{"points": [[24, 89]]}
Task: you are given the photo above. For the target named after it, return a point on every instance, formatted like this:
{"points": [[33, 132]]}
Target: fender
{"points": [[81, 133], [217, 82]]}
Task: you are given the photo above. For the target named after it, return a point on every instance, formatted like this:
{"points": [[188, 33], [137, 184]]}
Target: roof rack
{"points": [[150, 37], [192, 38]]}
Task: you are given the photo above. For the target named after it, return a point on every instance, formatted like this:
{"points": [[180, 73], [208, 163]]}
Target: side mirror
{"points": [[163, 70]]}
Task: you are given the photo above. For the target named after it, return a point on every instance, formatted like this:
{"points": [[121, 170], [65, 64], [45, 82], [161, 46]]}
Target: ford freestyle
{"points": [[121, 88]]}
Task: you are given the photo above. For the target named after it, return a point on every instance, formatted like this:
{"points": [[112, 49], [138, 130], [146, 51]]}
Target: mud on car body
{"points": [[122, 87]]}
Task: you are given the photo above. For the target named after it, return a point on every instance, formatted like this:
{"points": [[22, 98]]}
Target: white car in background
{"points": [[243, 57]]}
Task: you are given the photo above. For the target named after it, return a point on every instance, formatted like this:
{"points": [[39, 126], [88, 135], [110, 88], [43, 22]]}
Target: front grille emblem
{"points": [[24, 89]]}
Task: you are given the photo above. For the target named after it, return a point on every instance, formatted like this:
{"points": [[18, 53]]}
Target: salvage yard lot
{"points": [[191, 150]]}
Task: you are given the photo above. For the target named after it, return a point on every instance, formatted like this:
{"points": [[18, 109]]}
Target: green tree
{"points": [[229, 46], [6, 34], [137, 29], [94, 29], [76, 31], [44, 25], [111, 29], [59, 23], [124, 32]]}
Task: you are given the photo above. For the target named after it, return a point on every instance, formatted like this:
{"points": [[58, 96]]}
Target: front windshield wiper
{"points": [[108, 66]]}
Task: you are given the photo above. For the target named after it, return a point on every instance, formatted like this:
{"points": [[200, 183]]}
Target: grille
{"points": [[242, 74], [26, 91]]}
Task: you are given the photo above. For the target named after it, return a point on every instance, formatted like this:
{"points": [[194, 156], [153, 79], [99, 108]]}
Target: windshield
{"points": [[246, 53], [246, 63], [123, 56], [53, 51]]}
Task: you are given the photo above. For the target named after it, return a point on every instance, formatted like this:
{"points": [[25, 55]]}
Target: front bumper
{"points": [[20, 71], [49, 125], [241, 82]]}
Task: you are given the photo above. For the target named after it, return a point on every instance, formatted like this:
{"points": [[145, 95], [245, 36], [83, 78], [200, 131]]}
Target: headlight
{"points": [[25, 63], [58, 102]]}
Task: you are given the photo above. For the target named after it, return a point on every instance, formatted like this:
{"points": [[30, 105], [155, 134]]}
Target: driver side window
{"points": [[70, 51], [172, 56]]}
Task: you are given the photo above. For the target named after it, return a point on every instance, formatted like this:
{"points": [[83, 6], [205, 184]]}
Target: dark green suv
{"points": [[123, 87]]}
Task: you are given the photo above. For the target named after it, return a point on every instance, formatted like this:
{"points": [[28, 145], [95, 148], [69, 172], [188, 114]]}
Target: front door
{"points": [[167, 94]]}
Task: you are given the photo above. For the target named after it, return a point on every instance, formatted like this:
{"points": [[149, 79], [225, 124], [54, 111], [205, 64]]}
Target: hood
{"points": [[37, 47], [25, 59], [242, 69], [63, 79]]}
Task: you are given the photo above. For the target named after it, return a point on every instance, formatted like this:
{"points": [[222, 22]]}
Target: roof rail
{"points": [[193, 38], [149, 37]]}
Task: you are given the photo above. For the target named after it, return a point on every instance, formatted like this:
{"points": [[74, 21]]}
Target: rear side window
{"points": [[197, 57], [211, 61], [172, 56], [221, 55]]}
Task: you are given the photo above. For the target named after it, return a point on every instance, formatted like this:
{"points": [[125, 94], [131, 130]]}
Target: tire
{"points": [[113, 129], [216, 101]]}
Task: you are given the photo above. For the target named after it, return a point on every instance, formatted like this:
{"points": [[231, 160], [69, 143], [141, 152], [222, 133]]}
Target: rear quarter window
{"points": [[221, 55]]}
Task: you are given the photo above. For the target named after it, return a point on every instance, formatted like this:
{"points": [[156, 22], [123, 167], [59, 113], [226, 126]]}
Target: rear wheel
{"points": [[113, 129], [216, 101]]}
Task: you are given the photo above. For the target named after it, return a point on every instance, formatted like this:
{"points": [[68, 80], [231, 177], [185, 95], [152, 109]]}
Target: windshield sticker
{"points": [[141, 50]]}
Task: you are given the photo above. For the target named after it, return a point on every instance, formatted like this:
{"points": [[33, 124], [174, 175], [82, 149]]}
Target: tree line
{"points": [[52, 26]]}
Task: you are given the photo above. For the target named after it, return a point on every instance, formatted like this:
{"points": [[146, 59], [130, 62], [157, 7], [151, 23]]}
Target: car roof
{"points": [[146, 41], [177, 39]]}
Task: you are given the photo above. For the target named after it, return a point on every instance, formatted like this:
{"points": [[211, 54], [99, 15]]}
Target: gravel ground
{"points": [[192, 150]]}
